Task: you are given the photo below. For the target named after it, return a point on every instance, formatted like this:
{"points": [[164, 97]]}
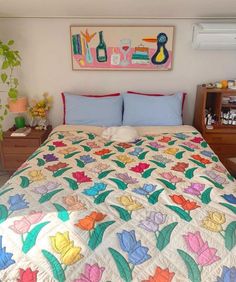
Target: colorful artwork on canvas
{"points": [[122, 48]]}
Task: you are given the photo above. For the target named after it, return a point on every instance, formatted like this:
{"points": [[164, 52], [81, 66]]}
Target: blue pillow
{"points": [[93, 110], [144, 110]]}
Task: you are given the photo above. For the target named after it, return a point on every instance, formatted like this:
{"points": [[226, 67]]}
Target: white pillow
{"points": [[120, 134]]}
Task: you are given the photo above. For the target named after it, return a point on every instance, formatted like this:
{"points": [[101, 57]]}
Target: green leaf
{"points": [[57, 270], [179, 155], [36, 153], [172, 142], [31, 237], [80, 163], [5, 191], [204, 144], [67, 156], [180, 212], [189, 173], [86, 148], [120, 164], [164, 235], [153, 148], [142, 155], [150, 137], [63, 214], [124, 214], [217, 185], [51, 147], [105, 173], [206, 196], [139, 143], [167, 183], [3, 213], [147, 172], [12, 93], [5, 65], [120, 184], [108, 143], [119, 149], [215, 159], [230, 236], [194, 273], [46, 197], [61, 171], [20, 171], [60, 136], [97, 234], [72, 183], [122, 265], [153, 198], [10, 42], [104, 157], [187, 148], [40, 162], [24, 181], [101, 197], [4, 77], [228, 206], [230, 177], [77, 142], [91, 136], [158, 163], [198, 163]]}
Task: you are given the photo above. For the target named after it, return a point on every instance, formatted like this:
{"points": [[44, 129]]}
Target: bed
{"points": [[86, 209]]}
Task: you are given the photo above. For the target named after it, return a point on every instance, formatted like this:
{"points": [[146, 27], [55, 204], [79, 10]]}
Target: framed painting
{"points": [[122, 48]]}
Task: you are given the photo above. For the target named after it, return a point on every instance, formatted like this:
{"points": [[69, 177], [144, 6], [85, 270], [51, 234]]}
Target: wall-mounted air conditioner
{"points": [[214, 36]]}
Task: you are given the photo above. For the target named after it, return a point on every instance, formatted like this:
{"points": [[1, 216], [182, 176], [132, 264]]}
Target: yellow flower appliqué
{"points": [[67, 151], [129, 203], [36, 175], [125, 159], [62, 245], [171, 151], [214, 221]]}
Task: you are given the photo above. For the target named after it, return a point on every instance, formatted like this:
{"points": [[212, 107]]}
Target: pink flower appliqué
{"points": [[92, 273], [195, 244], [172, 178]]}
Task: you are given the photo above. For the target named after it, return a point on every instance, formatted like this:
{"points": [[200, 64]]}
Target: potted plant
{"points": [[10, 60]]}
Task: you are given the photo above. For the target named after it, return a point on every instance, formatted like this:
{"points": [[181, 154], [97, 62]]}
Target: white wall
{"points": [[44, 45]]}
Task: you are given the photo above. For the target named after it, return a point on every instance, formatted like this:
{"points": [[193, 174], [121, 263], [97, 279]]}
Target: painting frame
{"points": [[139, 56]]}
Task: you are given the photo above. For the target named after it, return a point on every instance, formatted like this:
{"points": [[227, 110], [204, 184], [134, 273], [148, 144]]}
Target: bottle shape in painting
{"points": [[101, 50]]}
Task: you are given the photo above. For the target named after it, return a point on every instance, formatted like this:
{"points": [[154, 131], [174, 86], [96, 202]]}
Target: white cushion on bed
{"points": [[120, 134]]}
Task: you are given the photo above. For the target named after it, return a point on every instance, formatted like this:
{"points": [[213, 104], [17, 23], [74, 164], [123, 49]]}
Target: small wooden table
{"points": [[16, 150]]}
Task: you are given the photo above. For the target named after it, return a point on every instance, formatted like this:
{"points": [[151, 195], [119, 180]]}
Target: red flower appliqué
{"points": [[140, 167], [81, 177]]}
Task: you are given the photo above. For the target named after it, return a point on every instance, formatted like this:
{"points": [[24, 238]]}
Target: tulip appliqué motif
{"points": [[33, 176], [204, 255], [214, 222], [136, 254], [129, 205], [92, 273], [27, 275], [161, 275], [96, 231], [150, 192], [152, 224], [24, 228], [47, 191], [5, 257], [97, 191], [67, 252]]}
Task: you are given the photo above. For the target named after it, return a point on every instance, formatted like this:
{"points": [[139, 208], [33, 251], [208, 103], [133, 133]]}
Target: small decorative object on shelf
{"points": [[223, 84], [38, 112]]}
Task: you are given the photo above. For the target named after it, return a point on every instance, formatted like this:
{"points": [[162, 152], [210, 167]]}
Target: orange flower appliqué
{"points": [[161, 275], [185, 204], [56, 167], [102, 152], [88, 222], [200, 159]]}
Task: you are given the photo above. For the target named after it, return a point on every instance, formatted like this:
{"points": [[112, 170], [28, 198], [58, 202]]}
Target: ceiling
{"points": [[119, 8]]}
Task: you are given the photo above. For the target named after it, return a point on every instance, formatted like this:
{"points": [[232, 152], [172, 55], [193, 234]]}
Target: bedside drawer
{"points": [[19, 146], [12, 162], [221, 139], [224, 150]]}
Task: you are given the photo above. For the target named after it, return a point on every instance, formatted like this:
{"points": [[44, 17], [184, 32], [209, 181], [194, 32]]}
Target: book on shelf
{"points": [[21, 132]]}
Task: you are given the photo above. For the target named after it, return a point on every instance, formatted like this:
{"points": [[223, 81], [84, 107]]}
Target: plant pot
{"points": [[18, 105]]}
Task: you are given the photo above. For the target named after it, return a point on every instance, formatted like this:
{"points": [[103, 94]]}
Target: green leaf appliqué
{"points": [[24, 182], [120, 184], [72, 183], [63, 214], [180, 212], [46, 197], [124, 214], [164, 235]]}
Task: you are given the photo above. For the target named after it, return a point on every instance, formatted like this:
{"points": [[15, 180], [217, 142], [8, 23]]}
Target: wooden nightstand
{"points": [[222, 137], [16, 150]]}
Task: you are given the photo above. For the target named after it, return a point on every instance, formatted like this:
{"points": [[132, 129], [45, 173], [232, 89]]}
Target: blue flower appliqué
{"points": [[230, 198], [207, 153], [145, 190], [136, 152], [87, 159], [137, 253], [95, 189], [228, 275], [5, 258], [17, 202]]}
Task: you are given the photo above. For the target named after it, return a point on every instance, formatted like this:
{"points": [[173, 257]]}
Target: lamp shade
{"points": [[18, 105]]}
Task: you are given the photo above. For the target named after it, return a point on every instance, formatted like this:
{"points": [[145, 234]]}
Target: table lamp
{"points": [[18, 106]]}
